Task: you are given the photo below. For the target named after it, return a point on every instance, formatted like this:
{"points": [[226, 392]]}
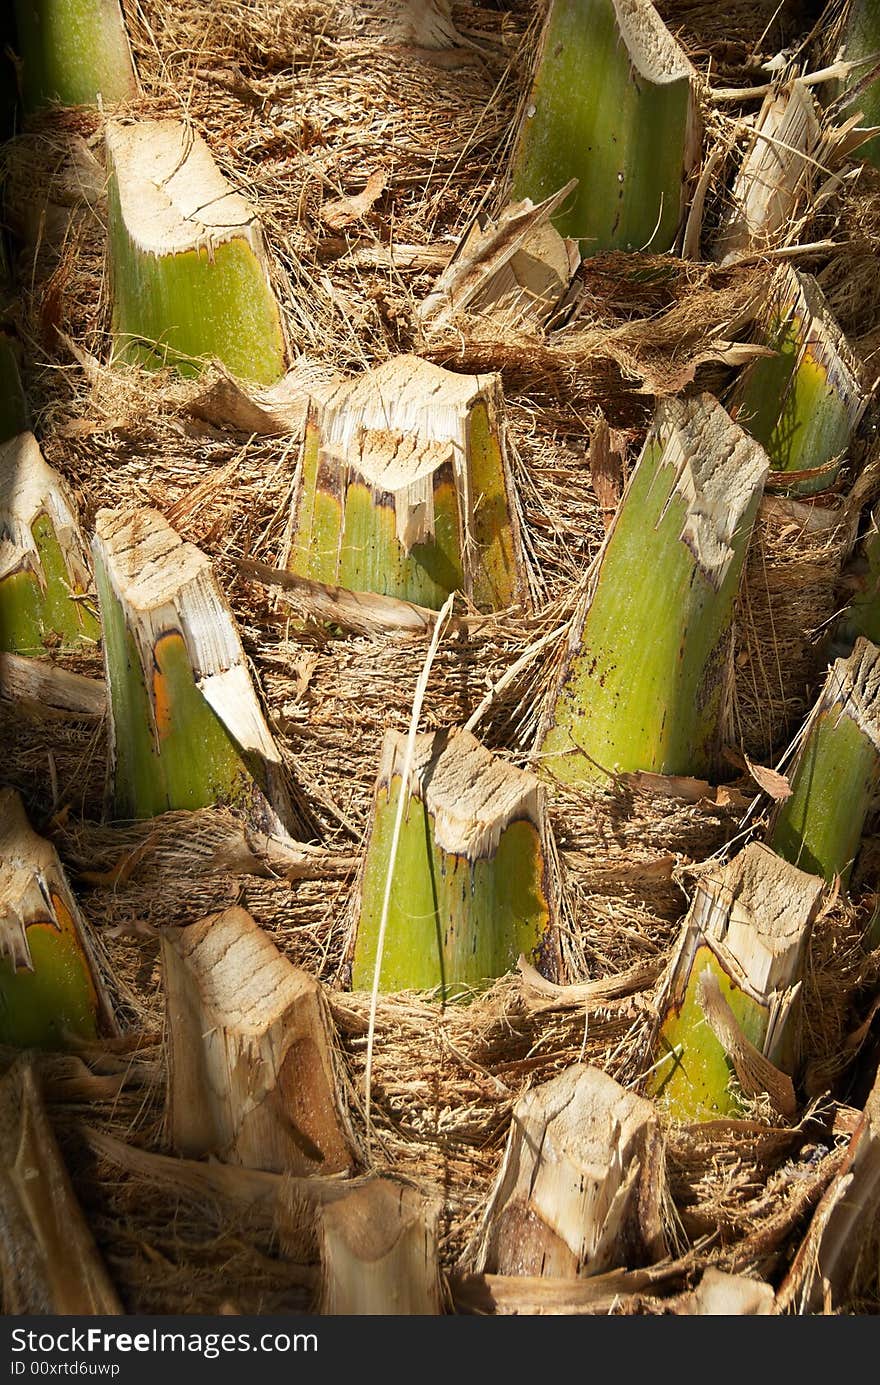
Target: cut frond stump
{"points": [[379, 1252], [804, 402], [48, 1261], [725, 1011], [835, 771], [778, 168], [613, 105], [13, 406], [644, 686], [43, 568], [50, 984], [862, 615], [189, 268], [188, 730], [508, 274], [471, 888], [861, 44], [75, 52], [838, 1258], [406, 491], [582, 1182], [252, 1078]]}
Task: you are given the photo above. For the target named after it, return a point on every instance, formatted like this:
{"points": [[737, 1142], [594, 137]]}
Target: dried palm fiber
{"points": [[13, 406], [48, 1260]]}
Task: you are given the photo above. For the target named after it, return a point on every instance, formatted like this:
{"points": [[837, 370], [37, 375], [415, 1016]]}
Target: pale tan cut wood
{"points": [[51, 986], [42, 685], [508, 274], [839, 1254], [727, 1295], [726, 1004], [572, 1197], [252, 1073], [279, 409], [48, 1260], [790, 161], [379, 1252], [187, 727], [426, 23]]}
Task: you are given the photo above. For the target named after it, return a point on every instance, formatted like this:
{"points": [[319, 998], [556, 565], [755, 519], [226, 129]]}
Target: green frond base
{"points": [[820, 826], [36, 616], [72, 50], [590, 117], [454, 925], [41, 1008], [184, 309], [171, 750], [692, 1073]]}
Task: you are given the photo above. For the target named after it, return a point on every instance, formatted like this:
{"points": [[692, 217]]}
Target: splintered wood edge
{"points": [[29, 487], [800, 295], [226, 974], [786, 134], [29, 862], [585, 1115], [852, 689], [408, 395], [471, 794], [48, 1260], [172, 195], [484, 251], [654, 53], [759, 908], [379, 1246], [34, 680], [719, 470], [243, 981], [164, 584]]}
